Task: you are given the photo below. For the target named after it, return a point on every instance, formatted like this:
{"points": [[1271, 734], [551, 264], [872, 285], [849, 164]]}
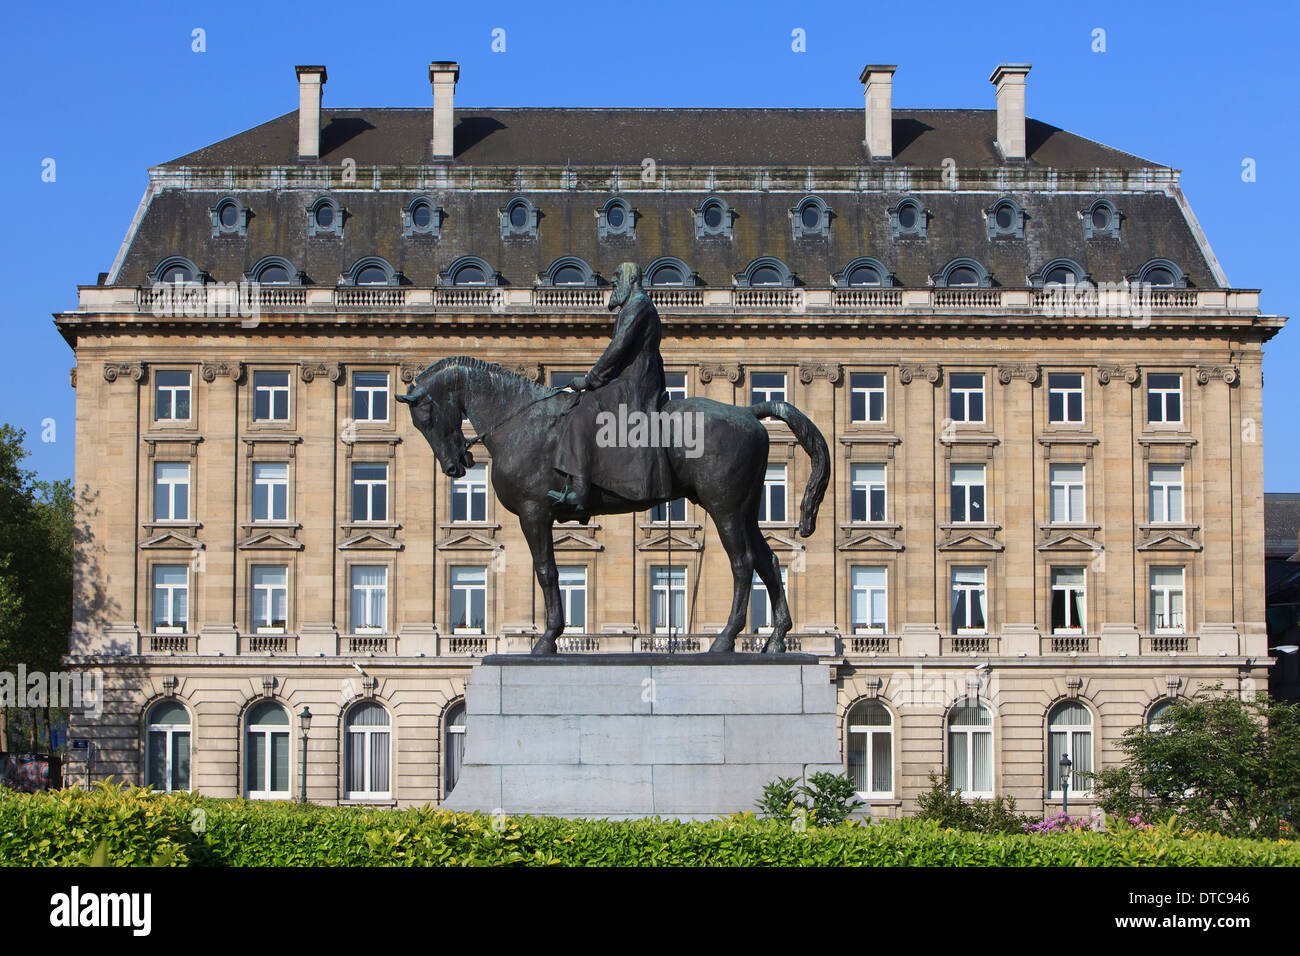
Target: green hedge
{"points": [[107, 826]]}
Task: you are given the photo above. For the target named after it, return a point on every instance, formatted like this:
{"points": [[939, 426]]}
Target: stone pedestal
{"points": [[640, 735]]}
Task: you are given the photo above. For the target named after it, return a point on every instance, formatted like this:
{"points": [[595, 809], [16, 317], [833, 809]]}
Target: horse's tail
{"points": [[810, 438]]}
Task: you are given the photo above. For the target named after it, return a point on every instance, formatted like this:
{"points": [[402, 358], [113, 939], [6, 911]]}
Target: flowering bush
{"points": [[1064, 823]]}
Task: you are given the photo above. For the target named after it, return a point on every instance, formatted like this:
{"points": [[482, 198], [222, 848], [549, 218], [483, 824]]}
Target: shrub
{"points": [[951, 811], [825, 800]]}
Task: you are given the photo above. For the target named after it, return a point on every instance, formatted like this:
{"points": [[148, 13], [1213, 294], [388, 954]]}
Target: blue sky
{"points": [[108, 90]]}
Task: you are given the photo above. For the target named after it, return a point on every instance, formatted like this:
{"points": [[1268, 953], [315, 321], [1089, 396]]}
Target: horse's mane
{"points": [[496, 373]]}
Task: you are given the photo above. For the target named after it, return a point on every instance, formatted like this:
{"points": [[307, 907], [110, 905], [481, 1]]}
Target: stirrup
{"points": [[560, 495]]}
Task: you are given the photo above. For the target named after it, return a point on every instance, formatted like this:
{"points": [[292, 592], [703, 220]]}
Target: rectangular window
{"points": [[270, 603], [668, 599], [171, 396], [867, 496], [573, 593], [469, 495], [271, 396], [1065, 398], [561, 379], [171, 491], [370, 396], [1167, 601], [1166, 494], [968, 600], [1069, 602], [772, 507], [1164, 398], [674, 511], [966, 397], [867, 397], [760, 604], [369, 492], [369, 604], [270, 491], [468, 599], [869, 600], [968, 493], [171, 592], [766, 387], [675, 384], [1067, 494]]}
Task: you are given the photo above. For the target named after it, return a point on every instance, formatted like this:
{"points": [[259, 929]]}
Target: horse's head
{"points": [[437, 413]]}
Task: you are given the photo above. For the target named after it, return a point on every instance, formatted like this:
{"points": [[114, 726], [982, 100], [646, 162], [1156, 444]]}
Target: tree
{"points": [[1219, 763], [36, 532]]}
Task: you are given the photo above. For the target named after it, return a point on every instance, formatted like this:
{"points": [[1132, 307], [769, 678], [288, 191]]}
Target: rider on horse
{"points": [[630, 373]]}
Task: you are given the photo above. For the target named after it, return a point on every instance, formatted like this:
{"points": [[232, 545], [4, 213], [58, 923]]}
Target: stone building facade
{"points": [[1042, 396]]}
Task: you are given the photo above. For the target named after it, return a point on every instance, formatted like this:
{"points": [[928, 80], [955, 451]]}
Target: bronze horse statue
{"points": [[517, 421]]}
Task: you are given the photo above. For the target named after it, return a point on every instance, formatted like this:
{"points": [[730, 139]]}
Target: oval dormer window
{"points": [[421, 215], [325, 215]]}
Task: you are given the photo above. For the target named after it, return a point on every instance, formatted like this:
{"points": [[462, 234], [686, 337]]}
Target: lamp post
{"points": [[304, 721], [1066, 763]]}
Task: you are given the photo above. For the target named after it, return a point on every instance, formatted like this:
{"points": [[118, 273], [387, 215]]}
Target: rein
{"points": [[516, 413]]}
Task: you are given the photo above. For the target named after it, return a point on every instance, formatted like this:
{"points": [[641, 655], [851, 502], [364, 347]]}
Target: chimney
{"points": [[878, 86], [311, 84], [1009, 81], [443, 76]]}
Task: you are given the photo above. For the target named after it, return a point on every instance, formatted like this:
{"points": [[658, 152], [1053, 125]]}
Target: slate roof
{"points": [[178, 222], [1281, 523]]}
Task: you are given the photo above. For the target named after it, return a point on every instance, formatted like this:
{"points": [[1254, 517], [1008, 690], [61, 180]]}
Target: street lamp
{"points": [[1066, 763], [304, 721]]}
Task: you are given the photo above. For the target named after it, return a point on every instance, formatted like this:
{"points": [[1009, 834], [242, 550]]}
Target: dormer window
{"points": [[176, 269], [1161, 273], [713, 218], [908, 220], [325, 218], [1059, 272], [963, 273], [274, 270], [569, 271], [421, 217], [1101, 220], [1006, 220], [229, 217], [469, 271], [669, 272], [519, 219], [863, 273], [811, 219], [765, 271], [371, 271], [616, 218]]}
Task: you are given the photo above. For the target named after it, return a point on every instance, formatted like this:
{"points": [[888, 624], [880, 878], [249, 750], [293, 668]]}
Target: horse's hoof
{"points": [[544, 648], [774, 645], [722, 647]]}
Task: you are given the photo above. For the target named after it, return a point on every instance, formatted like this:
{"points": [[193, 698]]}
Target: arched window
{"points": [[266, 752], [713, 218], [1158, 716], [274, 270], [229, 217], [963, 273], [765, 271], [1101, 220], [469, 271], [1161, 273], [368, 752], [569, 271], [421, 217], [1069, 731], [453, 746], [1058, 272], [616, 218], [175, 269], [970, 750], [519, 219], [1006, 220], [908, 220], [325, 218], [668, 271], [168, 747], [371, 270], [811, 218], [870, 749], [863, 273]]}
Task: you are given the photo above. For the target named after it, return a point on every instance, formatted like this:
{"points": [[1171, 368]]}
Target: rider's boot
{"points": [[575, 494]]}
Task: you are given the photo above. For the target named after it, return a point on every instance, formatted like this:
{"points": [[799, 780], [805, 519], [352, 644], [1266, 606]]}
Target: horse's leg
{"points": [[732, 532], [536, 525], [769, 570]]}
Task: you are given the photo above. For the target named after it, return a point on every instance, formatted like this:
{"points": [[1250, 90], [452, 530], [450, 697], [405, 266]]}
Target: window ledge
{"points": [[368, 802]]}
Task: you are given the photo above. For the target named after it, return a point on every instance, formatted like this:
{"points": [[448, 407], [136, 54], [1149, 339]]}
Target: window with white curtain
{"points": [[869, 600], [266, 756], [167, 760], [453, 746], [1069, 731], [1069, 601], [1167, 597], [171, 598], [1067, 494], [760, 605], [867, 494], [970, 750], [772, 506], [270, 603], [366, 759], [468, 599], [369, 604], [969, 591], [668, 599], [870, 749], [573, 595], [968, 493], [1166, 494]]}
